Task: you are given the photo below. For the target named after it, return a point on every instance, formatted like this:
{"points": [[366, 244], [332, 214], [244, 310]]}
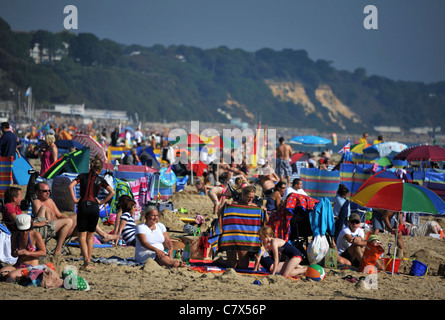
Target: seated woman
{"points": [[120, 204], [274, 200], [127, 225], [27, 245], [151, 235]]}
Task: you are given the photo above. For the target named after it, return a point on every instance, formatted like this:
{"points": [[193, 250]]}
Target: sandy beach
{"points": [[152, 282]]}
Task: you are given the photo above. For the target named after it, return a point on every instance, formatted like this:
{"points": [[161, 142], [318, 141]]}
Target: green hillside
{"points": [[284, 88]]}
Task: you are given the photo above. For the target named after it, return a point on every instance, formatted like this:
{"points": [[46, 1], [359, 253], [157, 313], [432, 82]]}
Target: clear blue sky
{"points": [[408, 44]]}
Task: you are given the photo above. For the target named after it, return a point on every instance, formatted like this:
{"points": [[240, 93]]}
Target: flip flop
{"points": [[350, 279]]}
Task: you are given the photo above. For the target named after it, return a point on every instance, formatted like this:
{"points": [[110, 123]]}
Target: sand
{"points": [[152, 282]]}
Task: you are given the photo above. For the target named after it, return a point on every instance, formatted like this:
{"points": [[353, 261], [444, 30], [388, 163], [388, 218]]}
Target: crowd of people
{"points": [[222, 183]]}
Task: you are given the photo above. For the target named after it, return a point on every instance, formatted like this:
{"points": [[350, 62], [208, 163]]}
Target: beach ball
{"points": [[315, 272]]}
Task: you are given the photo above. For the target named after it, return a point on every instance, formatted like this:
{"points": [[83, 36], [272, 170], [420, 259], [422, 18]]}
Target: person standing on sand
{"points": [[88, 207], [284, 152]]}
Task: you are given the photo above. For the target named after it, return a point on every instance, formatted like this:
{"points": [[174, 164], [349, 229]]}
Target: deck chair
{"points": [[65, 247]]}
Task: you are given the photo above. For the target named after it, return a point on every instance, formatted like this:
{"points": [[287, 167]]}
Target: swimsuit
{"points": [[216, 194], [30, 248], [290, 251]]}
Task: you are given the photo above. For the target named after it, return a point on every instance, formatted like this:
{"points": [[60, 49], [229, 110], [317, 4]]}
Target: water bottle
{"points": [[120, 240], [186, 253]]}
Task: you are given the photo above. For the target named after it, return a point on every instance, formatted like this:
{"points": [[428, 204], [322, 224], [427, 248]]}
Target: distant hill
{"points": [[284, 88]]}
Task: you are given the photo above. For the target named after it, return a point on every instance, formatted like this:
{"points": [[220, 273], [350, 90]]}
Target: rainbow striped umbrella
{"points": [[400, 196]]}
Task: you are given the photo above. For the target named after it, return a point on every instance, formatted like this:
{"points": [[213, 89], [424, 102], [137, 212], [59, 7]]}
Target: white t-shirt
{"points": [[290, 190], [342, 243], [154, 237], [138, 136]]}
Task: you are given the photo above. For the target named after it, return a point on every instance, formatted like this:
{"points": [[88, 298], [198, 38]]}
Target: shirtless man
{"points": [[229, 170], [267, 177], [48, 219], [284, 152]]}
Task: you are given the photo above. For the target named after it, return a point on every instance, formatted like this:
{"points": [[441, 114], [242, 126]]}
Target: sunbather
{"points": [[151, 236], [27, 245]]}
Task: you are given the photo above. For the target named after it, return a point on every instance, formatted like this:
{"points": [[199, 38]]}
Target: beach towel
{"points": [[120, 188], [322, 218], [237, 229], [5, 246]]}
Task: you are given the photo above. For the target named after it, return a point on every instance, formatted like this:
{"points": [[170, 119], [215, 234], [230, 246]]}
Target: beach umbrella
{"points": [[400, 196], [95, 147], [299, 156], [190, 140], [422, 153], [359, 147], [310, 140], [74, 162], [383, 149], [387, 176], [396, 163]]}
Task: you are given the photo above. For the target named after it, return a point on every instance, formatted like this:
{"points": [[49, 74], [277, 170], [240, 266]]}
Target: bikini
{"points": [[30, 248]]}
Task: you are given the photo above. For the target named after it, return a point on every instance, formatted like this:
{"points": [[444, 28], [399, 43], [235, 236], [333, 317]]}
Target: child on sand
{"points": [[373, 250], [291, 266]]}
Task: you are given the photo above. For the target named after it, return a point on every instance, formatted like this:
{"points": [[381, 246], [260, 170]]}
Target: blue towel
{"points": [[322, 218]]}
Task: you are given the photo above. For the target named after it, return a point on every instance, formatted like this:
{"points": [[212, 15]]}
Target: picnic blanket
{"points": [[237, 229]]}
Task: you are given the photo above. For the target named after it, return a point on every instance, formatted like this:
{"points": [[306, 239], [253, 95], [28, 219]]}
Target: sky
{"points": [[408, 43]]}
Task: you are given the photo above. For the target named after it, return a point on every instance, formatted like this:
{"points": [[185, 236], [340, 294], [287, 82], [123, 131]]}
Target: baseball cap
{"points": [[354, 216], [23, 221]]}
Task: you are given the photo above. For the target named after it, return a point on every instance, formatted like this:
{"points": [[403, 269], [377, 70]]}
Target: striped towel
{"points": [[6, 164], [238, 229]]}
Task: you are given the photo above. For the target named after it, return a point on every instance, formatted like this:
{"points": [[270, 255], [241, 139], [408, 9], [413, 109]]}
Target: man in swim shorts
{"points": [[284, 152]]}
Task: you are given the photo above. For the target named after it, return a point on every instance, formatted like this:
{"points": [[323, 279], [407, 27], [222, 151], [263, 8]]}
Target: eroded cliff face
{"points": [[335, 107], [292, 92], [231, 107], [296, 93]]}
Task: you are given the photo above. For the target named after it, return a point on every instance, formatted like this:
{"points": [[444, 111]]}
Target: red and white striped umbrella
{"points": [[95, 147]]}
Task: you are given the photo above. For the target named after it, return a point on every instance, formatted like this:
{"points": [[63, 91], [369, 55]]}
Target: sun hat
{"points": [[373, 237], [23, 221]]}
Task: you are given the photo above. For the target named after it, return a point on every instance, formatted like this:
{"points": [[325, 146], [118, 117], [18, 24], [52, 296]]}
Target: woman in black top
{"points": [[88, 207]]}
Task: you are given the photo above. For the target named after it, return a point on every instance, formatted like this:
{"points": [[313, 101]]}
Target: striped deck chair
{"points": [[237, 229], [6, 179]]}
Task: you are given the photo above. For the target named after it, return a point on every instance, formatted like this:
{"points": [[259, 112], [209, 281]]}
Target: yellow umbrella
{"points": [[358, 148]]}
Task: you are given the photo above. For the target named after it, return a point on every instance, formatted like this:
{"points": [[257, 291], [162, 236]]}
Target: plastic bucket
{"points": [[418, 268], [389, 262]]}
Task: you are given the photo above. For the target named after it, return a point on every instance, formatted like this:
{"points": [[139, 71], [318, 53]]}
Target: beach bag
{"points": [[51, 279], [317, 249]]}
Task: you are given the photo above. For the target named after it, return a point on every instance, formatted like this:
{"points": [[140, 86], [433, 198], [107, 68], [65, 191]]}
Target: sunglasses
{"points": [[354, 221], [45, 191]]}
